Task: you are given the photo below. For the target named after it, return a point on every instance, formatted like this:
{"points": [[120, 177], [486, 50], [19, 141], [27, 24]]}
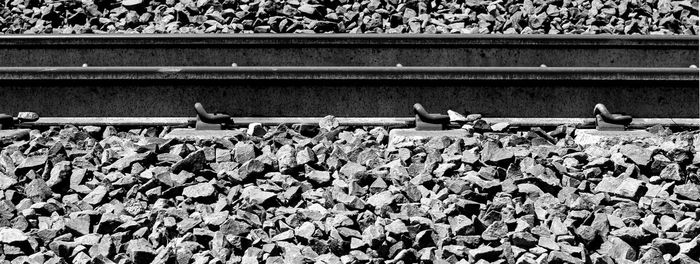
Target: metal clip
{"points": [[10, 122], [208, 121], [606, 121], [428, 121]]}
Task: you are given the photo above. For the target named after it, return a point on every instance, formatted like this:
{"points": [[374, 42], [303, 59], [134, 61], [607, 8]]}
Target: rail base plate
{"points": [[13, 134], [593, 136], [189, 133], [400, 137]]}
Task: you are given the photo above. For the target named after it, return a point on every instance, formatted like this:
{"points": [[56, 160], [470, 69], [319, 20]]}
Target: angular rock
{"points": [[671, 172], [639, 155], [319, 177], [194, 162], [11, 235], [495, 231], [328, 122], [201, 190], [689, 191], [96, 195]]}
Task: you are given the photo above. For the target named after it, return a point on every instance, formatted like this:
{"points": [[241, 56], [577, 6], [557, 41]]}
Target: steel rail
{"points": [[349, 73], [345, 121], [349, 50], [349, 91]]}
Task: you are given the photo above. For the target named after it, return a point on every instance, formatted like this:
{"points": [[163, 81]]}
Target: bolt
{"points": [[399, 65], [234, 64], [543, 66], [694, 66], [85, 65]]}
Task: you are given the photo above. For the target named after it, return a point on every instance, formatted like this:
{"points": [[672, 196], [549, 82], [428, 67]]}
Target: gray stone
{"points": [[127, 161], [639, 155], [256, 130], [11, 235], [244, 152], [78, 224], [319, 177], [96, 195], [306, 230], [251, 169], [397, 227], [671, 172], [461, 225], [33, 162], [687, 191], [485, 252], [381, 199], [524, 239], [495, 231], [618, 249], [628, 188], [6, 181], [286, 157], [201, 190], [37, 190], [194, 162], [548, 243], [328, 122], [352, 169], [258, 196], [140, 251], [491, 152], [373, 235]]}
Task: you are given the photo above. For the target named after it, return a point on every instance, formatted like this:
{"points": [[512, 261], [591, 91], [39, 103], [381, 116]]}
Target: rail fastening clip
{"points": [[606, 121], [428, 121], [209, 121]]}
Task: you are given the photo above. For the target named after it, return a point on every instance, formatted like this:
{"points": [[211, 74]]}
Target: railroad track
{"points": [[358, 76], [350, 50], [265, 172], [348, 91]]}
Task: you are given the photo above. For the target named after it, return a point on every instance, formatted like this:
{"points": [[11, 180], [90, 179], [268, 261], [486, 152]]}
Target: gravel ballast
{"points": [[302, 194], [619, 17]]}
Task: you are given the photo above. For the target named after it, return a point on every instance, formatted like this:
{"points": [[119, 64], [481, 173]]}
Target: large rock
{"points": [[37, 190], [127, 161], [671, 172], [381, 199], [628, 187], [244, 152], [319, 177], [352, 169], [201, 190], [492, 153], [257, 196], [286, 157], [33, 162], [140, 251], [495, 231], [96, 195], [6, 181], [639, 155], [687, 191], [618, 249], [194, 162], [11, 235]]}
